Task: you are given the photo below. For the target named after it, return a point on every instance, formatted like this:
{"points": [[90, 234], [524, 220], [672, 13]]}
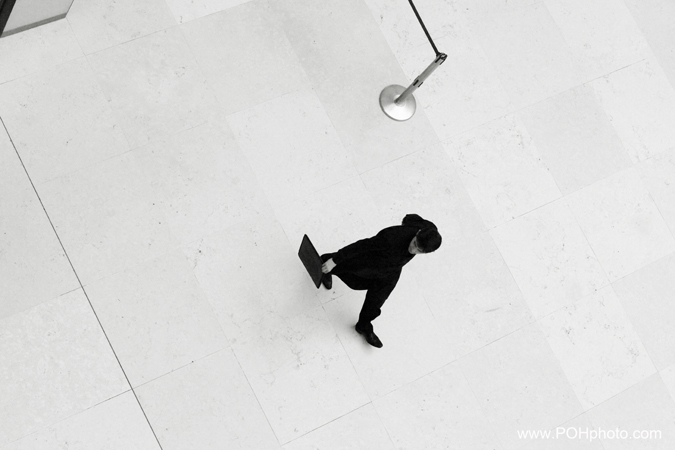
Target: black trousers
{"points": [[378, 290]]}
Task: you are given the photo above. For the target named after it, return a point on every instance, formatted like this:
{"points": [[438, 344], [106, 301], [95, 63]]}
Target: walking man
{"points": [[374, 264]]}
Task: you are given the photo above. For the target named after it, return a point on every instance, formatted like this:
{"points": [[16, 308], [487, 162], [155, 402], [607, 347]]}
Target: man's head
{"points": [[426, 240]]}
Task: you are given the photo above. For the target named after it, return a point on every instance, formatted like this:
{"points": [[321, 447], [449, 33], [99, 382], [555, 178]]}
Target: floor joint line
{"points": [[63, 248]]}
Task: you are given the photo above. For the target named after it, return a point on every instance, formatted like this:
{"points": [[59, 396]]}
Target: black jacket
{"points": [[383, 255]]}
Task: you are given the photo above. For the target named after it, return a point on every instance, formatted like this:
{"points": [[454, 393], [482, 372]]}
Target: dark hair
{"points": [[428, 240]]}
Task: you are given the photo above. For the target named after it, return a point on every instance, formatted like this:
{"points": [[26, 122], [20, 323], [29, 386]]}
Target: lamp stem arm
{"points": [[440, 59]]}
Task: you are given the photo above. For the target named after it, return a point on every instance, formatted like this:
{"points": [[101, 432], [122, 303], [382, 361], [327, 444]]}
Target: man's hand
{"points": [[328, 266]]}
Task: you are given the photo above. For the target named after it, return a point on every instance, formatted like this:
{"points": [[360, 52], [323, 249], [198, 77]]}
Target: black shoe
{"points": [[327, 281], [371, 337]]}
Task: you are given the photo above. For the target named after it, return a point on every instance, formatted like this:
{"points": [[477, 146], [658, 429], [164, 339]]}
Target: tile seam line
{"points": [[59, 421], [131, 388], [255, 395], [525, 106]]}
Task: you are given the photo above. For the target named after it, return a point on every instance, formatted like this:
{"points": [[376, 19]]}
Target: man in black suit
{"points": [[374, 264]]}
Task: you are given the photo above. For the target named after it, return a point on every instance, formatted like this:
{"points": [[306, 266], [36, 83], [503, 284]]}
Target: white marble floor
{"points": [[160, 161]]}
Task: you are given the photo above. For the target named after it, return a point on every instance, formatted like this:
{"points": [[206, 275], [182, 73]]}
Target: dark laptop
{"points": [[311, 259]]}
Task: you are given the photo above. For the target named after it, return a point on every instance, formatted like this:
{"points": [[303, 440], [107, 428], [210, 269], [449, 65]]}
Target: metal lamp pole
{"points": [[398, 102]]}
